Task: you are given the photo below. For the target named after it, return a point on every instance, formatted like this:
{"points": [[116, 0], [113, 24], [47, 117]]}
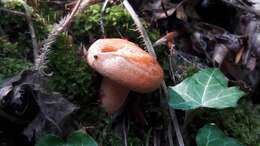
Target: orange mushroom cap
{"points": [[125, 63]]}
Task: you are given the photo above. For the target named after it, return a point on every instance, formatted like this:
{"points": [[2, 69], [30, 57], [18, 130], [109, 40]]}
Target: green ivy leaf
{"points": [[80, 139], [207, 88], [50, 140], [77, 138], [210, 135]]}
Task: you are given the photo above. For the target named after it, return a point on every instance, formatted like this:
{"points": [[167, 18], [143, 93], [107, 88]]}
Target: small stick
{"points": [[164, 9], [169, 131], [102, 13], [140, 27], [28, 17], [32, 30], [13, 12], [125, 131]]}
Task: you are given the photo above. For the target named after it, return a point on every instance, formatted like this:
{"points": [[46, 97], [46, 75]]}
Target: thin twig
{"points": [[150, 49], [169, 131], [170, 58], [28, 17], [32, 30], [102, 13], [125, 131], [164, 9], [140, 27], [12, 12]]}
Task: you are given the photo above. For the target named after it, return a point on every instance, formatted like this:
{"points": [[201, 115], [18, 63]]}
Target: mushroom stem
{"points": [[113, 95]]}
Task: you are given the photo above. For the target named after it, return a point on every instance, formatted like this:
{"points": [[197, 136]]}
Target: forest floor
{"points": [[46, 86]]}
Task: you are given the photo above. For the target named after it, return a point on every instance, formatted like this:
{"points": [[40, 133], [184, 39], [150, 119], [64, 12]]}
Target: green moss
{"points": [[117, 23], [12, 66], [71, 76], [7, 48], [116, 20], [15, 39], [242, 122], [14, 50], [12, 4]]}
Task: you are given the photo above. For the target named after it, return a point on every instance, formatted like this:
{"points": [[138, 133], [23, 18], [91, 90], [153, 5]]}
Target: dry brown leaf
{"points": [[239, 55], [170, 37]]}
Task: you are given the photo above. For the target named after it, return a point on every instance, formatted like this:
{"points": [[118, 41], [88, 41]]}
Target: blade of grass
{"points": [[150, 49]]}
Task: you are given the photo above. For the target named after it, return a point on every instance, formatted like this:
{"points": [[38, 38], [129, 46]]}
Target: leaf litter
{"points": [[26, 93]]}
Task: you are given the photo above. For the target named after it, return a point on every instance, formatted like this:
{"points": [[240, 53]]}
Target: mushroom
{"points": [[125, 67]]}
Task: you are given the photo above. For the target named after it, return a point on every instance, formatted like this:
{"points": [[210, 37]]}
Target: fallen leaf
{"points": [[26, 96], [239, 55]]}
